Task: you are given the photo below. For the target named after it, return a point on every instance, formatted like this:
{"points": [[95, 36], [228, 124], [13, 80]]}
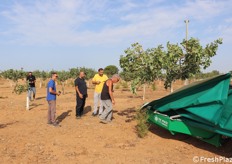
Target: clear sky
{"points": [[61, 34]]}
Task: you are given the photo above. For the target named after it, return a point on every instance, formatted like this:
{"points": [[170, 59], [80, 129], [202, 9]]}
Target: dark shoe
{"points": [[78, 117], [49, 123], [103, 121], [94, 114], [56, 125]]}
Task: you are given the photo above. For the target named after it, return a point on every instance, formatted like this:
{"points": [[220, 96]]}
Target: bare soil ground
{"points": [[25, 136]]}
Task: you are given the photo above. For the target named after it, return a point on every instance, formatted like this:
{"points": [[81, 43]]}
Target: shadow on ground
{"points": [[129, 113], [7, 124], [87, 109], [32, 106], [225, 150], [61, 117], [3, 97], [39, 98]]}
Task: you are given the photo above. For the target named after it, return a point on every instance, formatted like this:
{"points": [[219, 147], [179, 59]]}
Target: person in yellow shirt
{"points": [[98, 80]]}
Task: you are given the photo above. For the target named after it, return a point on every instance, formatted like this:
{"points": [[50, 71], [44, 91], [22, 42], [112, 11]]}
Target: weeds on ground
{"points": [[153, 86], [20, 88], [125, 85], [117, 86], [142, 125]]}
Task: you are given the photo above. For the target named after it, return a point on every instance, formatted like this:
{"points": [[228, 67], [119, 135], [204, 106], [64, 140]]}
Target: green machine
{"points": [[202, 109]]}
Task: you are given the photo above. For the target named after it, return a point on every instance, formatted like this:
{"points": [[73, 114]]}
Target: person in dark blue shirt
{"points": [[81, 94], [31, 89], [51, 98]]}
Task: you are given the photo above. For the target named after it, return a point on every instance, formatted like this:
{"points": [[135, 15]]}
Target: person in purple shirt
{"points": [[51, 98]]}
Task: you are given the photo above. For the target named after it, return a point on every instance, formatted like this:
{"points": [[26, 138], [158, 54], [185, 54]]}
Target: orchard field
{"points": [[25, 136]]}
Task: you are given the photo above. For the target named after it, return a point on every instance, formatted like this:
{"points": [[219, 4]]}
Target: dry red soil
{"points": [[25, 136]]}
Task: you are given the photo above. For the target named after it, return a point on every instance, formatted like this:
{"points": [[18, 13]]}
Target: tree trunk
{"points": [[63, 87], [144, 91], [11, 83], [171, 87], [40, 83], [186, 82], [27, 103]]}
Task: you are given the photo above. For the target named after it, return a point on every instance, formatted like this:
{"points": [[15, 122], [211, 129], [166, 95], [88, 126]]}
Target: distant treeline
{"points": [[15, 75]]}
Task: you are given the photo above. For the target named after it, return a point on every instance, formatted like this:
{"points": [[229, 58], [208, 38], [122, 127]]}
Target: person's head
{"points": [[82, 74], [54, 76], [100, 71], [115, 78], [29, 73]]}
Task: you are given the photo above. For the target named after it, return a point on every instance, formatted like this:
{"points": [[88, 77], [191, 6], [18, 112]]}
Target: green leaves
{"points": [[141, 66], [13, 75], [176, 62], [111, 70], [20, 88], [63, 76]]}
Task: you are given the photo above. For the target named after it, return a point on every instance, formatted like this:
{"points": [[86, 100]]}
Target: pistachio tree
{"points": [[187, 59], [176, 62], [111, 70], [144, 66], [13, 76], [63, 76]]}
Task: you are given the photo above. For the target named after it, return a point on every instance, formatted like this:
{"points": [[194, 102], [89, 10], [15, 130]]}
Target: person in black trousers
{"points": [[81, 94]]}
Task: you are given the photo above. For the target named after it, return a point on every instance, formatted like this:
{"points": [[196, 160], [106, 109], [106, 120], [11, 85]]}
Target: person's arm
{"points": [[110, 85], [52, 91], [28, 80], [94, 81], [34, 79], [78, 91]]}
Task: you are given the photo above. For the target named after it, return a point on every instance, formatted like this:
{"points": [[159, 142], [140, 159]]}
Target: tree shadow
{"points": [[39, 98], [61, 117], [3, 97], [129, 113], [135, 96], [69, 92], [225, 150], [7, 124]]}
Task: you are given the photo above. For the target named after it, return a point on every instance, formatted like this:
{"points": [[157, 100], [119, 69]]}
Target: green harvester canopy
{"points": [[206, 104]]}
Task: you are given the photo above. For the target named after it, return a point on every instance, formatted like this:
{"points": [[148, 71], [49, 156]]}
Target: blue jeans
{"points": [[30, 91]]}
